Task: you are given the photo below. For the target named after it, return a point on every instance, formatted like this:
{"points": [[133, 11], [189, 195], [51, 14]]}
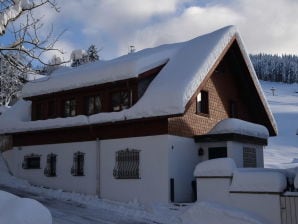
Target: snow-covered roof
{"points": [[187, 65], [222, 167], [236, 126]]}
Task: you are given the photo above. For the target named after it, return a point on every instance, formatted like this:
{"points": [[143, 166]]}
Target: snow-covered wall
{"points": [[254, 190]]}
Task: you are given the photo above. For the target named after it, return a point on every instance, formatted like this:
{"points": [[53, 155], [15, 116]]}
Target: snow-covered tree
{"points": [[11, 80], [17, 21], [78, 57], [92, 53], [276, 68]]}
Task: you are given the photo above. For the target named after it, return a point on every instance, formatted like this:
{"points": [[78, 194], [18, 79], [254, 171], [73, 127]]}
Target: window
{"points": [[39, 111], [233, 109], [121, 100], [50, 170], [78, 164], [51, 109], [217, 152], [202, 103], [249, 157], [70, 108], [94, 105], [127, 164], [143, 85], [31, 162]]}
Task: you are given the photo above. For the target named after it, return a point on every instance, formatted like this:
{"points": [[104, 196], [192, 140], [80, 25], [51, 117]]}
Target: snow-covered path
{"points": [[69, 212]]}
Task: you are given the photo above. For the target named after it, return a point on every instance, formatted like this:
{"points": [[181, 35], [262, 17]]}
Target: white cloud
{"points": [[266, 26]]}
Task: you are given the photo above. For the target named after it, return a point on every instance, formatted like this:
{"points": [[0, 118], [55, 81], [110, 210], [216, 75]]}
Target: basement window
{"points": [[249, 157], [127, 164], [202, 103], [50, 170], [78, 164], [31, 162]]}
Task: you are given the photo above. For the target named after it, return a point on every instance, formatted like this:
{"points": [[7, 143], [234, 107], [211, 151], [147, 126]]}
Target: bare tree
{"points": [[18, 21]]}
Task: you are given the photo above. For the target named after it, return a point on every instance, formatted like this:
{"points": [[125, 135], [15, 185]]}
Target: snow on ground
{"points": [[282, 151]]}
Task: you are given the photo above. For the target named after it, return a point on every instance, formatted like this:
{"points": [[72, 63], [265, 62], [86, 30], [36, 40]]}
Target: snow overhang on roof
{"points": [[233, 129], [187, 65], [237, 126]]}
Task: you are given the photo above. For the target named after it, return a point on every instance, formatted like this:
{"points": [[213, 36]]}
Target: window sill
{"points": [[203, 115]]}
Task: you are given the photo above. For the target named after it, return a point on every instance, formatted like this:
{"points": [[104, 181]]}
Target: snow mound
{"points": [[210, 213], [22, 210], [258, 181], [222, 167], [237, 126]]}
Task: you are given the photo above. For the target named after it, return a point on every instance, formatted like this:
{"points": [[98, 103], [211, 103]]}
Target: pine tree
{"points": [[92, 53]]}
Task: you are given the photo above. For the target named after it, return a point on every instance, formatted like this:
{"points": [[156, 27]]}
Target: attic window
{"points": [[31, 162], [94, 105], [121, 100], [249, 157], [127, 164], [202, 103], [143, 85], [69, 108], [39, 111]]}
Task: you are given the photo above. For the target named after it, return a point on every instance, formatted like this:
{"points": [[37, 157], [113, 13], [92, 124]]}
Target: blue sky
{"points": [[268, 26]]}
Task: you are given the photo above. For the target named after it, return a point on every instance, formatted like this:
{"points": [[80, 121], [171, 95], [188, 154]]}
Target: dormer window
{"points": [[69, 108], [93, 105], [121, 100], [202, 103]]}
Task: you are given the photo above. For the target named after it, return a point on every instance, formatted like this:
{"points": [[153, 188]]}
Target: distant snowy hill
{"points": [[282, 151]]}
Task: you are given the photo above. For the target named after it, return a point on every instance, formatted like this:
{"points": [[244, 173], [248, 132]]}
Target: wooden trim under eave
{"points": [[123, 129], [231, 137]]}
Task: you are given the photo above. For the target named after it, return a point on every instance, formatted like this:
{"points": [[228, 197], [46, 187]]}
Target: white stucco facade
{"points": [[162, 157], [63, 180], [234, 151]]}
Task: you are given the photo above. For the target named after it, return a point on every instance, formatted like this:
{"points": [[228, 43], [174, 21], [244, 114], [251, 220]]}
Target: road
{"points": [[69, 212]]}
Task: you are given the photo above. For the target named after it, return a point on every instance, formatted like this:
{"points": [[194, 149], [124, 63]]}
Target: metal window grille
{"points": [[127, 164], [78, 164], [50, 169], [31, 161], [249, 157]]}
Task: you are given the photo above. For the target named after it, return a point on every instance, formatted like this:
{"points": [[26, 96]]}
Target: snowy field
{"points": [[282, 151]]}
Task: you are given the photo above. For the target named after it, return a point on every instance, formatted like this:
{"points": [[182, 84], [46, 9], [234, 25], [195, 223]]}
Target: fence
{"points": [[289, 209]]}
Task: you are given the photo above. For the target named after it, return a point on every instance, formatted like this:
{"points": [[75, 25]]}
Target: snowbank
{"points": [[211, 213], [258, 181], [233, 125], [22, 210], [215, 168]]}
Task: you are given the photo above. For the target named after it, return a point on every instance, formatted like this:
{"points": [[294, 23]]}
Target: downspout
{"points": [[98, 167]]}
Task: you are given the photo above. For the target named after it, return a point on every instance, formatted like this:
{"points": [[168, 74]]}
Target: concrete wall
{"points": [[183, 157], [64, 180], [264, 203]]}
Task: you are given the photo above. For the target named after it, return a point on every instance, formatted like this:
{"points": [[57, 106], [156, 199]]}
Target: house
{"points": [[135, 127]]}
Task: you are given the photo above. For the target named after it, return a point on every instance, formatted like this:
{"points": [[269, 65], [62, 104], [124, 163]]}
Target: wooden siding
{"points": [[124, 129]]}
